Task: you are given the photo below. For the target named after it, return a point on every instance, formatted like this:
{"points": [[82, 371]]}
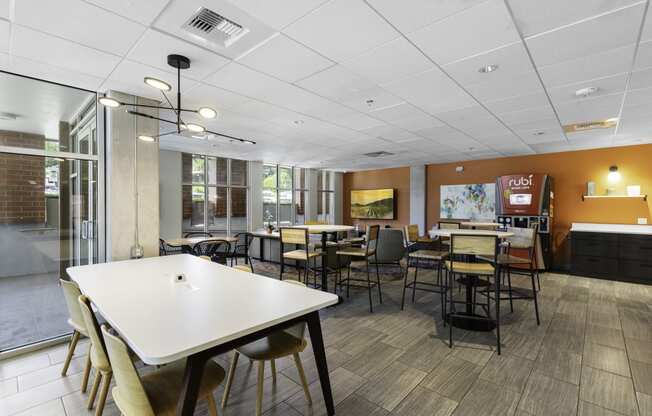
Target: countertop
{"points": [[611, 228]]}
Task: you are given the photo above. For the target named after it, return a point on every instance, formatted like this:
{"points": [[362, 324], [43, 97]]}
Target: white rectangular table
{"points": [[214, 311]]}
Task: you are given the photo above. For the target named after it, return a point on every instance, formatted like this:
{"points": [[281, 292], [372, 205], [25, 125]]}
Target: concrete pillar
{"points": [[338, 190], [170, 204], [255, 195], [418, 197]]}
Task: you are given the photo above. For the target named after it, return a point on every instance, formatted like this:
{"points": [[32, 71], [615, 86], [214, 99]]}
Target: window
{"points": [[284, 195], [214, 194], [325, 197]]}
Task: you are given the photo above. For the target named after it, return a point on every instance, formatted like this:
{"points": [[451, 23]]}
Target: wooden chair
{"points": [[158, 392], [447, 225], [523, 242], [471, 245], [300, 238], [363, 253], [412, 235], [71, 293], [435, 257], [273, 347], [99, 359]]}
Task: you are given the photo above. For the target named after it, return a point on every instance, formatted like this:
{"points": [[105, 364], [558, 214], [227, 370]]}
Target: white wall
{"points": [[418, 197], [170, 206], [122, 147]]}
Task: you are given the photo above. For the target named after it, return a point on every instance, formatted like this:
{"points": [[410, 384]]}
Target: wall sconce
{"points": [[614, 175]]}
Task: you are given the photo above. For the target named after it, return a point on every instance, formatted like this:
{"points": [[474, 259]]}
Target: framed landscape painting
{"points": [[376, 204]]}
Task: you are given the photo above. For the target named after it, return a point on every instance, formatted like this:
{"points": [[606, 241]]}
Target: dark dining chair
{"points": [[217, 250]]}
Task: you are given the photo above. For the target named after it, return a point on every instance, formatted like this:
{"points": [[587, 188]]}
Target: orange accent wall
{"points": [[397, 178]]}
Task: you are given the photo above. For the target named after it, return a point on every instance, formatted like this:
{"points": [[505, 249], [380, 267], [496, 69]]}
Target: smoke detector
{"points": [[209, 25], [585, 92]]}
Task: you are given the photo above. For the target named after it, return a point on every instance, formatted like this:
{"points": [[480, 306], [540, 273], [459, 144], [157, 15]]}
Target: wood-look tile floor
{"points": [[591, 355]]}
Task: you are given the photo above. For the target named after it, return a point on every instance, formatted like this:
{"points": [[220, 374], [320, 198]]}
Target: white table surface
{"points": [[611, 228], [448, 232], [163, 321]]}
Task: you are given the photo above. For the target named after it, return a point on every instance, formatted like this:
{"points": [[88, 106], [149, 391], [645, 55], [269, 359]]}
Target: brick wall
{"points": [[22, 181]]}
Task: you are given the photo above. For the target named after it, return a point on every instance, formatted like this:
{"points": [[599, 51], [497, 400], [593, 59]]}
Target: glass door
{"points": [[83, 210]]}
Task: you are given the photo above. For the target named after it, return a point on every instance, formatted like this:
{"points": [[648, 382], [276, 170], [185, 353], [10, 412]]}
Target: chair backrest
{"points": [[197, 234], [71, 293], [217, 250], [448, 225], [98, 349], [412, 233], [474, 244], [315, 222], [297, 330], [391, 246], [294, 235], [523, 238], [162, 251], [131, 398], [373, 232]]}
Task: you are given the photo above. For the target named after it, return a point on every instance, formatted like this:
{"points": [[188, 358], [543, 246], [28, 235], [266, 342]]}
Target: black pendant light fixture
{"points": [[179, 62]]}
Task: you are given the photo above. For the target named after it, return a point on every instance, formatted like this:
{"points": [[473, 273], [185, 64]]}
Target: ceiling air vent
{"points": [[382, 153], [214, 27], [591, 125]]}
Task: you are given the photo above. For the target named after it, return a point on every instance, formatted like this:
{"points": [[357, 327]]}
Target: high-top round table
{"points": [[461, 322]]}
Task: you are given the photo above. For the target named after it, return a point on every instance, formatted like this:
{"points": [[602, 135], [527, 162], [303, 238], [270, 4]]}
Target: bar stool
{"points": [[469, 246], [365, 252], [447, 225], [298, 237], [439, 287], [508, 263]]}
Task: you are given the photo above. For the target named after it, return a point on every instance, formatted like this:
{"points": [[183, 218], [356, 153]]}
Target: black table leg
{"points": [[314, 326], [191, 381], [468, 319], [324, 262]]}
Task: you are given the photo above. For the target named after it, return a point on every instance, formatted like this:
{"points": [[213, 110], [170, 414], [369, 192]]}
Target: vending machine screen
{"points": [[520, 199]]}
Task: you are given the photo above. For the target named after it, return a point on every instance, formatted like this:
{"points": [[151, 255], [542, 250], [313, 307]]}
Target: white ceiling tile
{"points": [[329, 111], [521, 84], [285, 58], [638, 97], [178, 12], [599, 65], [217, 98], [644, 55], [542, 136], [335, 29], [536, 127], [606, 86], [143, 11], [58, 52], [242, 80], [391, 133], [5, 30], [463, 114], [528, 115], [521, 102], [591, 139], [277, 14], [417, 123], [335, 82], [389, 62], [647, 28], [501, 141], [398, 112], [408, 16], [154, 47], [475, 30], [432, 91], [5, 8], [482, 127], [591, 109], [641, 79], [552, 147], [128, 77], [589, 37], [370, 99], [511, 60], [534, 16], [78, 21], [359, 122], [48, 72]]}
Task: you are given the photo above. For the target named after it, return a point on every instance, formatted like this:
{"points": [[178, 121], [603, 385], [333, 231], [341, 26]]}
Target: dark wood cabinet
{"points": [[626, 257]]}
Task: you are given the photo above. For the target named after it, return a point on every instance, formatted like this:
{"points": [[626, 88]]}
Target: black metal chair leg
{"points": [[348, 280], [371, 308], [536, 302], [405, 279], [452, 309], [509, 286], [380, 293], [497, 294], [414, 283]]}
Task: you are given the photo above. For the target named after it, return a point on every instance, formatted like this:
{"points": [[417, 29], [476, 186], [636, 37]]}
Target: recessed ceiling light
{"points": [[488, 68], [298, 122], [158, 84], [370, 102], [539, 133], [146, 138], [585, 92], [207, 112], [109, 102], [195, 128]]}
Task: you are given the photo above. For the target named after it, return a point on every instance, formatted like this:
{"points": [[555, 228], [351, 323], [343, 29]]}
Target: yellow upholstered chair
{"points": [[275, 346], [363, 253], [99, 359], [71, 293], [298, 237], [467, 246], [156, 393]]}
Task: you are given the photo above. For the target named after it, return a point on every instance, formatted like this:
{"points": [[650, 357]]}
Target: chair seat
{"points": [[244, 267], [470, 268], [277, 345], [333, 244], [506, 259], [300, 255], [354, 252], [424, 240], [163, 387], [428, 254]]}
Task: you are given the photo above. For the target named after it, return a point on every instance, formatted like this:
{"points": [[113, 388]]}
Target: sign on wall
{"points": [[471, 201]]}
